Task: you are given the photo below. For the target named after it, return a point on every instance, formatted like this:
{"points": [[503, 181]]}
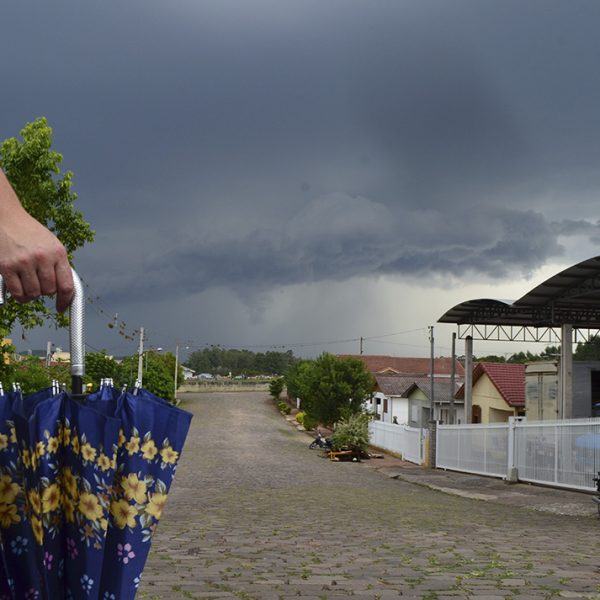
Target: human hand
{"points": [[33, 262]]}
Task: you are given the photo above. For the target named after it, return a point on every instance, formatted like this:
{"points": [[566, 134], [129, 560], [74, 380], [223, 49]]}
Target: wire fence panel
{"points": [[481, 449], [400, 439]]}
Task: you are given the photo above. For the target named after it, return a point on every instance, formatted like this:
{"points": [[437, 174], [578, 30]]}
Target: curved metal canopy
{"points": [[571, 297]]}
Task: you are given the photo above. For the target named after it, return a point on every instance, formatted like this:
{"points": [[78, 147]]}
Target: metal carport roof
{"points": [[570, 297]]}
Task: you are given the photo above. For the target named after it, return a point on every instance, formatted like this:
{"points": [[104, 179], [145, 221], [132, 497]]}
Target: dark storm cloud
{"points": [[337, 237], [246, 145], [572, 227]]}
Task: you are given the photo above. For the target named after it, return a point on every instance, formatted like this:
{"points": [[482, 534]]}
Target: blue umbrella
{"points": [[151, 440], [78, 499]]}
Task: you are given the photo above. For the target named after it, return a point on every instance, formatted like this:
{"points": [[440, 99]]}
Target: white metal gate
{"points": [[557, 453], [560, 453], [400, 439], [481, 449]]}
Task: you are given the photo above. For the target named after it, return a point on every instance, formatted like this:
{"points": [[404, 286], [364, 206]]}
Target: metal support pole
{"points": [[512, 474], [566, 372], [432, 422], [452, 415], [469, 379]]}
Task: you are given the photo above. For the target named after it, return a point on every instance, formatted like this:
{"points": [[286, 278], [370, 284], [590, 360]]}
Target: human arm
{"points": [[33, 262]]}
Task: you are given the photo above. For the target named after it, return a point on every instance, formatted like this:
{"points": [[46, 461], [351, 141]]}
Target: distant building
{"points": [[542, 397], [402, 365], [188, 373], [60, 356]]}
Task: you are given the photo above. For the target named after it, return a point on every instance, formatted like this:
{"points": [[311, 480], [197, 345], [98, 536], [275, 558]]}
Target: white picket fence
{"points": [[400, 439], [557, 453]]}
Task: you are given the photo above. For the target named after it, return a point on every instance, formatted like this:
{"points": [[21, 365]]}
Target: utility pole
{"points": [[361, 346], [141, 356], [432, 450], [48, 353], [431, 401], [453, 380]]}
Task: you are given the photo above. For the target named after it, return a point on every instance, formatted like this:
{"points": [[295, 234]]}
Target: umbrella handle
{"points": [[76, 331], [77, 335]]}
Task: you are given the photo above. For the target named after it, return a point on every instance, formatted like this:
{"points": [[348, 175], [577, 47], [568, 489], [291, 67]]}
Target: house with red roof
{"points": [[404, 365], [498, 392]]}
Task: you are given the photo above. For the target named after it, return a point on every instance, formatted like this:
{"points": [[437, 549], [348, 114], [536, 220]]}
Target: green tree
{"points": [[158, 374], [331, 388], [523, 357], [589, 350], [222, 361], [98, 366], [550, 353], [276, 387], [296, 378], [492, 358], [33, 169], [32, 374]]}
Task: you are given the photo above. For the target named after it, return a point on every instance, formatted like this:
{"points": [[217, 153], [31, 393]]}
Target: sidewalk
{"points": [[489, 489], [520, 495]]}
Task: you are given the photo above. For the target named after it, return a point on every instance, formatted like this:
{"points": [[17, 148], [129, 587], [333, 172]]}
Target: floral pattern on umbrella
{"points": [[66, 464], [150, 443]]}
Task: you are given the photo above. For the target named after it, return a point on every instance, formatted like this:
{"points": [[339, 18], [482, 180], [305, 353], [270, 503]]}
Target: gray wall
{"points": [[582, 388]]}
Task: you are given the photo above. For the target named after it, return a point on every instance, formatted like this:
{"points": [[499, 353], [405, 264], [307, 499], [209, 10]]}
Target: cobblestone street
{"points": [[255, 514]]}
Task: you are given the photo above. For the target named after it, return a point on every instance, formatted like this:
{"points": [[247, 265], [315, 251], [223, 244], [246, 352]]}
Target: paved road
{"points": [[254, 514]]}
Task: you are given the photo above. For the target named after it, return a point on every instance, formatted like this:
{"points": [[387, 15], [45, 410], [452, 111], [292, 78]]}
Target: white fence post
{"points": [[556, 455], [512, 473]]}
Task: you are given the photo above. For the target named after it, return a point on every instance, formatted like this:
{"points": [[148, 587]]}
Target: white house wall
{"points": [[396, 407], [399, 409]]}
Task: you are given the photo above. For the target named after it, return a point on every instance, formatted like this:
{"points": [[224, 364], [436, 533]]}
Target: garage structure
{"points": [[564, 309]]}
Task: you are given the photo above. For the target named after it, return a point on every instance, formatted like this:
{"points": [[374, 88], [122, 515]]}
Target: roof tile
{"points": [[508, 379], [403, 365]]}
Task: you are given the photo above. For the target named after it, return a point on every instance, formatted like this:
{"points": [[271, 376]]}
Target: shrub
{"points": [[284, 408], [300, 418], [352, 432], [309, 422], [276, 387], [328, 386]]}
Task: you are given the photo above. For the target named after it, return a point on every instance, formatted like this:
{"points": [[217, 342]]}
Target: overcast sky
{"points": [[294, 172]]}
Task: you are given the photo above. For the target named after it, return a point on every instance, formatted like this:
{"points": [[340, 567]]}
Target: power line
{"points": [[122, 328], [375, 337]]}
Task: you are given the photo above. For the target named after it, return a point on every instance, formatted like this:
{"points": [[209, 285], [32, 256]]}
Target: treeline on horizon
{"points": [[588, 350], [223, 361]]}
